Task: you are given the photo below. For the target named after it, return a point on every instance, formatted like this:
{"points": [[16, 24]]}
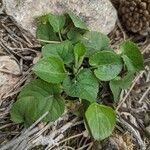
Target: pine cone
{"points": [[116, 3], [136, 15]]}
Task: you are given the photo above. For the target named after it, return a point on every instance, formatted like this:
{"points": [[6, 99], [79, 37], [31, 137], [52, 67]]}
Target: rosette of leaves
{"points": [[75, 61]]}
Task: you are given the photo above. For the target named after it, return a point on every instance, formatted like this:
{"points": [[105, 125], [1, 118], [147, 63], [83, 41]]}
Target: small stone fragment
{"points": [[9, 74]]}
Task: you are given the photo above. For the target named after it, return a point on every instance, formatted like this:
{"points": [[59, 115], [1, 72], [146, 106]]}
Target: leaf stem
{"points": [[75, 70], [76, 62], [60, 36], [93, 67], [50, 42]]}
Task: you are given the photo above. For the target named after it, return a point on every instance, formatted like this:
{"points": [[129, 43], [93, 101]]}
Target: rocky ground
{"points": [[19, 51]]}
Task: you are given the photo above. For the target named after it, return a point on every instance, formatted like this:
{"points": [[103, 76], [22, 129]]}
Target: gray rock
{"points": [[100, 15], [9, 75]]}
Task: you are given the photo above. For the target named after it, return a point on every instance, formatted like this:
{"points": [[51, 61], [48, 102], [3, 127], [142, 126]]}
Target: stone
{"points": [[9, 74], [100, 15]]}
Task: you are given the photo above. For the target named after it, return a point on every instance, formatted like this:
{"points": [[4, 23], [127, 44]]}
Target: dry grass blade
{"points": [[126, 96]]}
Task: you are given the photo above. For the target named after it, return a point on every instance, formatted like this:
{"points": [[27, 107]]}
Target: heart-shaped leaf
{"points": [[79, 52], [115, 88], [56, 21], [101, 121], [45, 32], [108, 65], [126, 81], [50, 69], [117, 84], [63, 51], [42, 19], [95, 41], [74, 36], [77, 21], [84, 86], [132, 56], [37, 98]]}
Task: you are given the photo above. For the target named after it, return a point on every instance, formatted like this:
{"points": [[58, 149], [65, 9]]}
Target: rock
{"points": [[100, 15], [9, 74]]}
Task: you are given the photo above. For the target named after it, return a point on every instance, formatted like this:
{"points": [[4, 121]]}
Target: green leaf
{"points": [[108, 65], [42, 19], [37, 98], [126, 81], [84, 86], [63, 51], [101, 121], [79, 52], [117, 84], [115, 88], [132, 56], [77, 21], [81, 109], [74, 36], [45, 32], [56, 21], [95, 41], [50, 69], [19, 108]]}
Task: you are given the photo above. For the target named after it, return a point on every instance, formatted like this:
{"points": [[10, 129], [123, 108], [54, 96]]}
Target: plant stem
{"points": [[75, 70], [50, 42], [93, 67], [60, 36]]}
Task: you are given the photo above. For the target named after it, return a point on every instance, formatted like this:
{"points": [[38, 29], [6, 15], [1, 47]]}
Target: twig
{"points": [[123, 32], [144, 85], [26, 38], [81, 148], [35, 123], [26, 134], [144, 95], [71, 137], [9, 72], [22, 80], [53, 139], [36, 137], [133, 131], [9, 50], [5, 126], [146, 48], [66, 148], [126, 96], [90, 146], [14, 35], [19, 139], [147, 61]]}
